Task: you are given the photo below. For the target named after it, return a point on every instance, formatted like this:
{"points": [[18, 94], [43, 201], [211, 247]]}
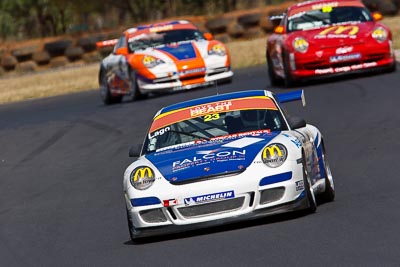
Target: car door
{"points": [[117, 68]]}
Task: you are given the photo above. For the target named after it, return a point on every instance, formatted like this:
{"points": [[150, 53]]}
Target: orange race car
{"points": [[161, 57]]}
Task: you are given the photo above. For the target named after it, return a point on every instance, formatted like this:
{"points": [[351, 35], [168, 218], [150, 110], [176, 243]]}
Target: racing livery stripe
{"points": [[215, 107], [179, 52], [281, 177], [221, 156], [214, 98], [145, 201], [306, 6], [208, 103], [159, 27]]}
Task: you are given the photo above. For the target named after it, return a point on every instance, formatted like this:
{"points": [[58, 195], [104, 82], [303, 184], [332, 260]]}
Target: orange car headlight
{"points": [[300, 45], [380, 34], [218, 50], [151, 62]]}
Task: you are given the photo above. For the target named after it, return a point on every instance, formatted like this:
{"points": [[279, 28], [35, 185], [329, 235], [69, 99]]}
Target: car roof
{"points": [[215, 98], [160, 26], [318, 4]]}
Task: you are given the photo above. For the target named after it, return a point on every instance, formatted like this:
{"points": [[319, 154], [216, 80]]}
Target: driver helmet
{"points": [[253, 118]]}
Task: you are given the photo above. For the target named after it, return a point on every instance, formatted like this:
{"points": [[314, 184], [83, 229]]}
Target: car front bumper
{"points": [[177, 83], [218, 201], [299, 204]]}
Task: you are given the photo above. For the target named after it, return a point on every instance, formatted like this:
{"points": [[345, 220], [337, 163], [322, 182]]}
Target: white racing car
{"points": [[222, 159]]}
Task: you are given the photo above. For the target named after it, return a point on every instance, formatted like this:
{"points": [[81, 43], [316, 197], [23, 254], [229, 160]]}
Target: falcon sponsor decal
{"points": [[206, 157], [209, 197]]}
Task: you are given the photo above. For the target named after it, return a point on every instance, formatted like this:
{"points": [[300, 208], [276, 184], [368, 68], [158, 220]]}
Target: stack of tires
{"points": [[50, 54], [246, 26]]}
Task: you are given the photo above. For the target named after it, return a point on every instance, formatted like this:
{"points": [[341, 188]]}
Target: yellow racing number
{"points": [[211, 117]]}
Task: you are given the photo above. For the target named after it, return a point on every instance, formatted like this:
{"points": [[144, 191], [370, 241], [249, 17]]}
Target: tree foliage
{"points": [[22, 19]]}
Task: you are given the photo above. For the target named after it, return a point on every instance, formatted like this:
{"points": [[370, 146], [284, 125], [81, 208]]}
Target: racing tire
{"points": [[57, 48], [105, 93], [217, 25], [135, 92], [248, 20], [329, 194], [312, 202], [274, 80], [392, 68], [131, 228], [288, 80]]}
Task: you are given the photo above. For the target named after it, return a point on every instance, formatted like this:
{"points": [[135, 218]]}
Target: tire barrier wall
{"points": [[243, 25]]}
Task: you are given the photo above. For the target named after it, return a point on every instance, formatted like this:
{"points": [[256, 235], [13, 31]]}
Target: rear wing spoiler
{"points": [[106, 43], [292, 96]]}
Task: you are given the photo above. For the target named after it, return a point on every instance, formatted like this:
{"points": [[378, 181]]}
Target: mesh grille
{"points": [[212, 208], [153, 216], [271, 195]]}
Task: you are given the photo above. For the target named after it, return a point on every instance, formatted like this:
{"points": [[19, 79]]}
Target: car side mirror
{"points": [[296, 122], [134, 151], [377, 16], [121, 51], [208, 36], [279, 29]]}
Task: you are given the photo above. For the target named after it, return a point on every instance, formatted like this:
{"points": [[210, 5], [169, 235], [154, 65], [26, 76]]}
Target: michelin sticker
{"points": [[209, 197]]}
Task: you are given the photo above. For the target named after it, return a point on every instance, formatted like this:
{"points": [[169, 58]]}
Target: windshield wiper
{"points": [[190, 134], [315, 19]]}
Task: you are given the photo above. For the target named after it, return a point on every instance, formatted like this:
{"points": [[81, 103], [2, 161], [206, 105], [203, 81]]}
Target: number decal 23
{"points": [[211, 117]]}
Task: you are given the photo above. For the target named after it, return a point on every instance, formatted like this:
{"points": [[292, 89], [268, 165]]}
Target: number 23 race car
{"points": [[322, 38], [167, 56], [223, 159]]}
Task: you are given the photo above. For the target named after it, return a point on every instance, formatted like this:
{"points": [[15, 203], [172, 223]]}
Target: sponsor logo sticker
{"points": [[299, 185], [209, 197], [341, 58]]}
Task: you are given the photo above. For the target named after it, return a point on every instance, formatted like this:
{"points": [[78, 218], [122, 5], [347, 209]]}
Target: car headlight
{"points": [[274, 155], [300, 45], [218, 50], [142, 177], [151, 62], [380, 34]]}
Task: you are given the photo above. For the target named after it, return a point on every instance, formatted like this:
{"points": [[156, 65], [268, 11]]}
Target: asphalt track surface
{"points": [[62, 161]]}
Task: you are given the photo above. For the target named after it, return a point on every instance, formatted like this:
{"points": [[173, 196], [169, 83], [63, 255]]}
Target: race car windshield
{"points": [[161, 38], [326, 16], [214, 125]]}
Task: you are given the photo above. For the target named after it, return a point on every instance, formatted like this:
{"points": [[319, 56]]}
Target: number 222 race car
{"points": [[222, 159]]}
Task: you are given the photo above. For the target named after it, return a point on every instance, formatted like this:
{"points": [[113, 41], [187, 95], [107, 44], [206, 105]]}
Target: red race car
{"points": [[324, 38]]}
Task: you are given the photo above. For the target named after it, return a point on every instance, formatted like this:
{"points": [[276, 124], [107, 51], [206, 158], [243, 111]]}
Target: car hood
{"points": [[337, 35], [177, 52], [209, 158]]}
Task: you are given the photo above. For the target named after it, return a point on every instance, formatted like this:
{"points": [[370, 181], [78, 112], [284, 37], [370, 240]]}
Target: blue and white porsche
{"points": [[222, 159]]}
